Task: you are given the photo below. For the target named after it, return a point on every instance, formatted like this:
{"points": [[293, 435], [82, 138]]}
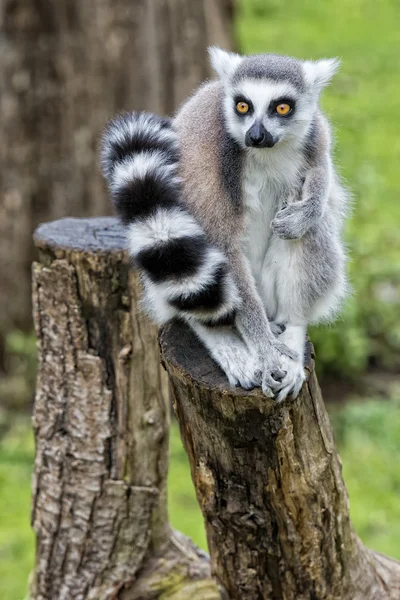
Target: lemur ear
{"points": [[319, 73], [223, 62]]}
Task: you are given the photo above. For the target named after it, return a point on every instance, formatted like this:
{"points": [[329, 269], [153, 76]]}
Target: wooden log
{"points": [[101, 421], [269, 482]]}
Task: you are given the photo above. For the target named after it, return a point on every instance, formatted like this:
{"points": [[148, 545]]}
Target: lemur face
{"points": [[262, 113], [269, 99]]}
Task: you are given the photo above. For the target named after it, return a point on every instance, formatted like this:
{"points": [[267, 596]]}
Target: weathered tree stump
{"points": [[269, 482], [101, 424]]}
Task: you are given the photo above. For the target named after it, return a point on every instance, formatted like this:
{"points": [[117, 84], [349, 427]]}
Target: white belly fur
{"points": [[267, 254]]}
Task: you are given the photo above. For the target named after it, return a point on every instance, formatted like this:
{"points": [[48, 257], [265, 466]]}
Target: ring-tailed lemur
{"points": [[234, 213]]}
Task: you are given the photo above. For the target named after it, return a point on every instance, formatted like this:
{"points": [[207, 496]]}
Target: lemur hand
{"points": [[292, 222]]}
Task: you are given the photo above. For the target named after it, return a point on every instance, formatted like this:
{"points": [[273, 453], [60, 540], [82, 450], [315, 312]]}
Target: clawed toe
{"points": [[284, 393], [292, 388], [267, 391]]}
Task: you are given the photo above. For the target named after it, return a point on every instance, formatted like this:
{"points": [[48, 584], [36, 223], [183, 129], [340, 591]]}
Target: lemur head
{"points": [[270, 99]]}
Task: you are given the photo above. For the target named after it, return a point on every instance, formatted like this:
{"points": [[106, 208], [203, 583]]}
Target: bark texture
{"points": [[269, 482], [66, 67], [101, 424]]}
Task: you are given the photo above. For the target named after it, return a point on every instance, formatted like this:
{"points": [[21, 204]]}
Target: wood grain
{"points": [[101, 421], [269, 482]]}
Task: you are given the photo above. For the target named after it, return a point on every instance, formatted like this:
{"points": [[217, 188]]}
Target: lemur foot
{"points": [[237, 361], [293, 380], [240, 366], [276, 366], [245, 374]]}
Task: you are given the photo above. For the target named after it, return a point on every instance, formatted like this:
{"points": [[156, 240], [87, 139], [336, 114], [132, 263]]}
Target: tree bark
{"points": [[66, 67], [269, 483], [101, 421]]}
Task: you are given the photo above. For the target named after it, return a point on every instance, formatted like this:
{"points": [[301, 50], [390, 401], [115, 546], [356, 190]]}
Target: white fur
{"points": [[319, 73], [155, 304], [123, 130], [165, 224], [185, 286], [277, 264], [269, 174], [261, 93], [224, 63], [139, 166], [271, 177], [139, 125]]}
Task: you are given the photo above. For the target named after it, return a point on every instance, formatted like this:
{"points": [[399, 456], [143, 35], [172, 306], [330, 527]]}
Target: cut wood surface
{"points": [[269, 483], [101, 421]]}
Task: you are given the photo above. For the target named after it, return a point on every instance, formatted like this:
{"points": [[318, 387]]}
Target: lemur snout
{"points": [[258, 137]]}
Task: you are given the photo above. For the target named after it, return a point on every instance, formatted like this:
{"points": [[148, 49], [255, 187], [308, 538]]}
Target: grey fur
{"points": [[231, 165], [271, 66], [311, 146]]}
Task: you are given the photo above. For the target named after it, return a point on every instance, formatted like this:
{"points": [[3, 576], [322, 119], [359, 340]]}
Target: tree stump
{"points": [[269, 483], [101, 420]]}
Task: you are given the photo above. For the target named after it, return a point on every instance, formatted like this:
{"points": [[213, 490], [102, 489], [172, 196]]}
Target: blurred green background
{"points": [[359, 356]]}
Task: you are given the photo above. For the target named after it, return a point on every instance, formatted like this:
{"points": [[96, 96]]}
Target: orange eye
{"points": [[242, 107], [283, 109]]}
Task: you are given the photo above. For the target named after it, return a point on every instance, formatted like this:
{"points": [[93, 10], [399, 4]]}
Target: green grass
{"points": [[362, 104], [368, 435], [16, 536], [184, 512]]}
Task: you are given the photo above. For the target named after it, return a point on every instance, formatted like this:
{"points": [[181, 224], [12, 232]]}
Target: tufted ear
{"points": [[223, 62], [319, 73]]}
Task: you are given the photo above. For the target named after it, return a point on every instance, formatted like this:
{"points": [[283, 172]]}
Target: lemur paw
{"points": [[292, 222], [293, 380], [245, 374], [275, 368]]}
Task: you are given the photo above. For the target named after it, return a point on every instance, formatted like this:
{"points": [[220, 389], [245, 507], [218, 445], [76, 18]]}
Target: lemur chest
{"points": [[265, 189]]}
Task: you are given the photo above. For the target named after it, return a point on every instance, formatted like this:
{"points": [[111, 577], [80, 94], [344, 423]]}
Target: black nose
{"points": [[258, 137]]}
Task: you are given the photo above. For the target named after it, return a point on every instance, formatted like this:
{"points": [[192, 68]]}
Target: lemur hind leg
{"points": [[304, 283]]}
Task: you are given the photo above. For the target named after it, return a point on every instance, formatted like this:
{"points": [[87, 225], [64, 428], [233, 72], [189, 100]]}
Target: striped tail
{"points": [[183, 274]]}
